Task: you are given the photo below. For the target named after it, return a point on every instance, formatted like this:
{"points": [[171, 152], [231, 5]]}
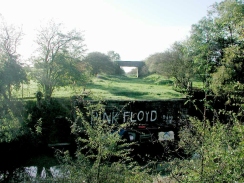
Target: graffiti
{"points": [[150, 120], [111, 117], [128, 116], [140, 116]]}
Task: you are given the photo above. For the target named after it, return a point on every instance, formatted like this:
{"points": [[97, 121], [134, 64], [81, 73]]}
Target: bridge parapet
{"points": [[130, 63]]}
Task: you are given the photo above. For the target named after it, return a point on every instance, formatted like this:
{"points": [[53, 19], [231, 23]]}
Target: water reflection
{"points": [[32, 173], [37, 172]]}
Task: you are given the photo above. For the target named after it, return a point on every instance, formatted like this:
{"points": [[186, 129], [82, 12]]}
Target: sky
{"points": [[133, 28]]}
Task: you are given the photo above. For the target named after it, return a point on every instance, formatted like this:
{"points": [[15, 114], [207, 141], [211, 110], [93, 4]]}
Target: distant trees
{"points": [[11, 73], [213, 52], [113, 56], [154, 62], [59, 58], [173, 63], [102, 63]]}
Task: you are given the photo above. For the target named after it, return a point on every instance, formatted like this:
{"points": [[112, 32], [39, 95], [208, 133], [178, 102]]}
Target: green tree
{"points": [[213, 39], [100, 63], [11, 73], [59, 58], [113, 56], [155, 62], [205, 49], [228, 16], [173, 63], [178, 65], [133, 72]]}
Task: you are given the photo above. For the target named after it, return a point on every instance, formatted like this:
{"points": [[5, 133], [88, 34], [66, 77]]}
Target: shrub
{"points": [[102, 156], [215, 152]]}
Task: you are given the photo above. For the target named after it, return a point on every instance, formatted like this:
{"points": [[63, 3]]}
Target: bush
{"points": [[11, 121], [215, 152], [102, 156]]}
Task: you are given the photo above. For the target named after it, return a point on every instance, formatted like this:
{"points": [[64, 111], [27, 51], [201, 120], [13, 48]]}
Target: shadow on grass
{"points": [[130, 93], [124, 79]]}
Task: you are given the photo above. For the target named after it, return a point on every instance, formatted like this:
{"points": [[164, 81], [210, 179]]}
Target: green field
{"points": [[153, 87]]}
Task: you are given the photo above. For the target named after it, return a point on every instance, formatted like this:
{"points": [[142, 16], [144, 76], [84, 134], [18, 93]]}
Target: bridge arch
{"points": [[138, 64]]}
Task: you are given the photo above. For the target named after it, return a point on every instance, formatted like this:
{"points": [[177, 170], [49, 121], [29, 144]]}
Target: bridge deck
{"points": [[130, 63]]}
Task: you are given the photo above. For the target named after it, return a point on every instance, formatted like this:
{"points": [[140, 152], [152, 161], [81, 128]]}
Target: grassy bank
{"points": [[153, 87]]}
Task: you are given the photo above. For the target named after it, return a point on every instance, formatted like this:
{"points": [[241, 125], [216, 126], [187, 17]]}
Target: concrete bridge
{"points": [[138, 64]]}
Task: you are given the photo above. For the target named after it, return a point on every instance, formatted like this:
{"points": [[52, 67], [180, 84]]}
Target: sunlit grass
{"points": [[153, 87], [126, 88]]}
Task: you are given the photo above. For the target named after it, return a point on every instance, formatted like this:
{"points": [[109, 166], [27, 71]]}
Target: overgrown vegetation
{"points": [[210, 147], [214, 149], [212, 53], [102, 156]]}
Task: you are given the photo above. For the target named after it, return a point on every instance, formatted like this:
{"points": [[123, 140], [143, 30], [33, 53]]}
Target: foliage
{"points": [[11, 73], [101, 63], [216, 43], [113, 56], [215, 152], [155, 62], [179, 65], [12, 124], [173, 63], [59, 59], [212, 53], [46, 120], [102, 156], [133, 72], [204, 49]]}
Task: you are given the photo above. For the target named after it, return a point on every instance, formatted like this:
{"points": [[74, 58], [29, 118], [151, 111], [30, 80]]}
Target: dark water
{"points": [[21, 162], [38, 167], [25, 162]]}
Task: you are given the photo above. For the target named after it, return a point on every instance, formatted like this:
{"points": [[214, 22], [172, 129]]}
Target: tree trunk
{"points": [[48, 93], [9, 91]]}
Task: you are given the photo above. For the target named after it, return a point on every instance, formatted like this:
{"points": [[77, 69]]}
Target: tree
{"points": [[11, 73], [154, 62], [100, 63], [229, 75], [179, 64], [173, 63], [204, 48], [214, 41], [133, 72], [59, 58], [113, 56]]}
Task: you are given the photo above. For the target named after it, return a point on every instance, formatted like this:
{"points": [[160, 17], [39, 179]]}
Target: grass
{"points": [[153, 87], [126, 88]]}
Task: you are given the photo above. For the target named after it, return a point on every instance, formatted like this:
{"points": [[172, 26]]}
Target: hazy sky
{"points": [[133, 28]]}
